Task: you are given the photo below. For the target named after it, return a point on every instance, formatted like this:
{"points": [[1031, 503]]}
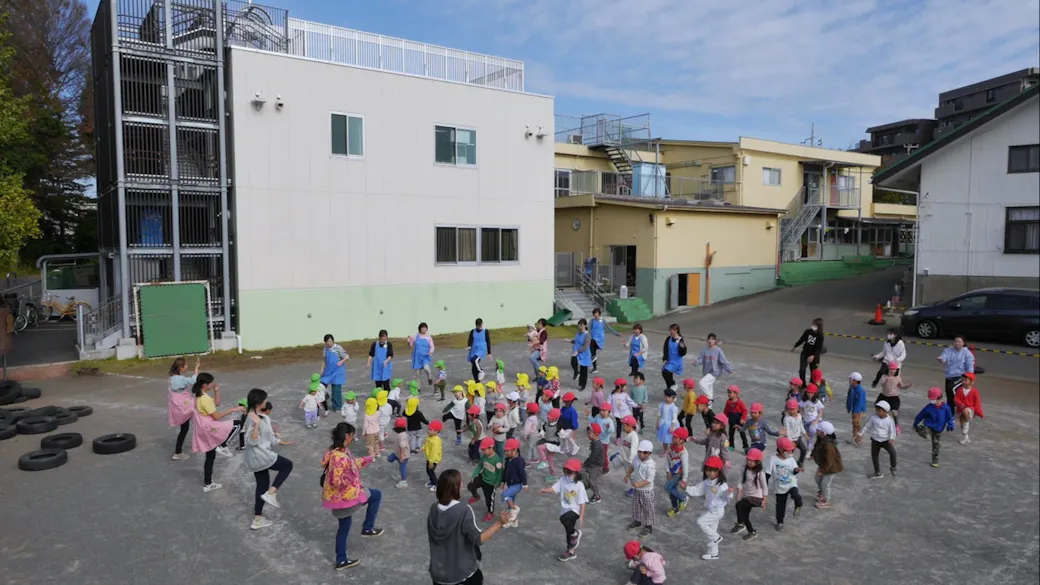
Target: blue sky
{"points": [[715, 70]]}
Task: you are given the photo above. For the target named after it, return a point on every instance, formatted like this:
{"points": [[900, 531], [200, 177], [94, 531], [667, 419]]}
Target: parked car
{"points": [[1009, 315]]}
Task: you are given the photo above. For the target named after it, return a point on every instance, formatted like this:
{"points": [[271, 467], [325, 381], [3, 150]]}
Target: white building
{"points": [[979, 216]]}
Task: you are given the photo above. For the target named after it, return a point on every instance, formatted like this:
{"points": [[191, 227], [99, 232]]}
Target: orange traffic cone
{"points": [[878, 319]]}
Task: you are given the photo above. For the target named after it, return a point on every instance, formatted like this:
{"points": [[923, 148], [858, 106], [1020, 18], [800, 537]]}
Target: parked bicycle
{"points": [[52, 307], [26, 315]]}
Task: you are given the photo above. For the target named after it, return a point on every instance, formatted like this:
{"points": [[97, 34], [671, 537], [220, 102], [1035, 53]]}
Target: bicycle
{"points": [[52, 306], [26, 315]]}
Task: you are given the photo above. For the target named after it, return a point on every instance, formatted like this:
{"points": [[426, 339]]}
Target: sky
{"points": [[718, 70]]}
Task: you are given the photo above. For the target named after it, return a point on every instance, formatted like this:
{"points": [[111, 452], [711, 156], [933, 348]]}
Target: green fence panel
{"points": [[173, 319]]}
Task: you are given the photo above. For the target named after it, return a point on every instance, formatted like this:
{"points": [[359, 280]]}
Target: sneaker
{"points": [[935, 464], [181, 456], [780, 527], [401, 484], [964, 440], [473, 500], [211, 487], [542, 465], [595, 500], [528, 465], [225, 451], [429, 485], [489, 517], [646, 531], [259, 523], [631, 492], [433, 488], [568, 555], [575, 376], [371, 533], [899, 430], [458, 440], [749, 536], [876, 475], [736, 528], [240, 448], [605, 472], [673, 513], [347, 564], [551, 479], [633, 525], [797, 511], [577, 539], [682, 504], [731, 449], [270, 499], [892, 472], [710, 556], [823, 504]]}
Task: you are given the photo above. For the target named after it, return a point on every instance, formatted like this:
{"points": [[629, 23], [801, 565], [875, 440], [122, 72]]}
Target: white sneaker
{"points": [[401, 484], [225, 451], [480, 377], [710, 557], [181, 456], [964, 440], [211, 487], [259, 523], [270, 499]]}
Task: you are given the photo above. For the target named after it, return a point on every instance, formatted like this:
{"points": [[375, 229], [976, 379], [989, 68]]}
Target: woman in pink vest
{"points": [[180, 402], [343, 494], [213, 429]]}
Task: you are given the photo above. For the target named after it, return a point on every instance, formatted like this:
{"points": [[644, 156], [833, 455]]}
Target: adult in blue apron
{"points": [[334, 371], [598, 330], [637, 349], [380, 357], [422, 351], [674, 350], [581, 354], [478, 348]]}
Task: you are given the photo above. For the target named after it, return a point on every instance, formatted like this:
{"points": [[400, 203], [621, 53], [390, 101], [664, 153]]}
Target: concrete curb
{"points": [[40, 372]]}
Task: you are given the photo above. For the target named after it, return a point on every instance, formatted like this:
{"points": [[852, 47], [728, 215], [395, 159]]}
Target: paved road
{"points": [[49, 343]]}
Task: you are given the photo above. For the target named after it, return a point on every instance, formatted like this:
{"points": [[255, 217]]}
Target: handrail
{"points": [[93, 326], [589, 285]]}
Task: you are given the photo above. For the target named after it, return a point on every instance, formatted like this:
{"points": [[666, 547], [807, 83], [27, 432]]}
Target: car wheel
{"points": [[62, 441], [9, 391], [65, 418], [1032, 338], [81, 410], [43, 459], [36, 425], [7, 431], [926, 330], [112, 444]]}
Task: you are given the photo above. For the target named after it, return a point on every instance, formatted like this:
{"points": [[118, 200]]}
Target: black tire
{"points": [[9, 392], [7, 431], [43, 459], [927, 330], [1031, 338], [61, 441], [81, 410], [32, 392], [44, 411], [20, 400], [17, 413], [65, 418], [6, 417], [115, 443], [36, 425]]}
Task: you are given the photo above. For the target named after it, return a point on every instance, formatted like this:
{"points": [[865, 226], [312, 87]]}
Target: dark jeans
{"points": [[669, 378], [371, 510], [634, 364], [593, 348], [875, 450], [582, 372], [570, 523], [637, 413], [880, 372], [385, 385], [803, 363], [458, 423], [431, 472], [488, 489], [638, 578], [474, 579], [617, 427], [744, 508], [781, 503], [474, 451], [951, 383], [183, 434], [734, 422], [284, 467], [686, 420], [211, 455], [337, 397], [800, 444]]}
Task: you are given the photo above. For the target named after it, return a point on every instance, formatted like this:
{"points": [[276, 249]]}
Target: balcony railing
{"points": [[618, 185], [360, 49], [843, 198]]}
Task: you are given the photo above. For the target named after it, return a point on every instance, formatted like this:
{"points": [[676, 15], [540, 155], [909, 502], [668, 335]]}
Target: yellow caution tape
{"points": [[931, 344]]}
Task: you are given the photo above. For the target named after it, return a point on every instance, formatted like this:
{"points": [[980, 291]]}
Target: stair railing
{"points": [[589, 285], [93, 326]]}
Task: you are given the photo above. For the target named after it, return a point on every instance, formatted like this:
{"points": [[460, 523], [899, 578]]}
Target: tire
{"points": [[116, 443], [17, 413], [65, 418], [43, 459], [6, 418], [9, 392], [62, 441], [7, 431], [20, 323], [31, 392], [36, 425], [44, 411], [926, 330], [81, 410], [1031, 338], [20, 400]]}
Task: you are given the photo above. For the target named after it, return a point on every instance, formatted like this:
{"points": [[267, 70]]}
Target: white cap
{"points": [[646, 446], [856, 376], [513, 396], [883, 405], [826, 427]]}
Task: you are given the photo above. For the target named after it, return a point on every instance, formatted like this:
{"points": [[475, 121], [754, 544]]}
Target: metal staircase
{"points": [[620, 158], [801, 211]]}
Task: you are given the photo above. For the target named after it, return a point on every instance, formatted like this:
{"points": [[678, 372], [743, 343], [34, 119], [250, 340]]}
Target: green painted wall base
{"points": [[726, 283], [287, 318], [808, 271]]}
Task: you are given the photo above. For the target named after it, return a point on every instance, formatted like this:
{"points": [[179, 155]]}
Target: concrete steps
{"points": [[630, 310]]}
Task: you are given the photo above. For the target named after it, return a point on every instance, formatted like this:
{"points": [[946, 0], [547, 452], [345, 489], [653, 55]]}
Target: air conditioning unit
{"points": [[574, 139]]}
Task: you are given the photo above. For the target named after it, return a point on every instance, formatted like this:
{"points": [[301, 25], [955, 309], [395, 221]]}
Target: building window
{"points": [[845, 182], [1022, 230], [348, 135], [456, 245], [724, 174], [498, 245], [991, 96], [1024, 158], [770, 176], [958, 105], [563, 183], [455, 146], [460, 245]]}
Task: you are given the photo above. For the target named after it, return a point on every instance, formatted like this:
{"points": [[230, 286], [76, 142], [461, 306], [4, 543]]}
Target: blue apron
{"points": [[333, 373], [673, 361], [597, 330], [634, 349], [381, 373], [479, 347], [420, 353], [584, 357]]}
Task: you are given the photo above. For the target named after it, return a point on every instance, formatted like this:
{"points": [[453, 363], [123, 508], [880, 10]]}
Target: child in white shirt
{"points": [[309, 404], [717, 494], [394, 397], [350, 408], [794, 429], [882, 431], [385, 412], [783, 471], [812, 412], [642, 477], [573, 499]]}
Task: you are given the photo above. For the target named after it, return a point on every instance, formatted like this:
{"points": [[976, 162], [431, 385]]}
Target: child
{"points": [[422, 352], [794, 389], [581, 354], [825, 388], [882, 436], [594, 464], [319, 393], [442, 380], [648, 565], [380, 361], [891, 384], [602, 442], [554, 384], [716, 495], [828, 462], [385, 414], [704, 407], [811, 408], [713, 364], [678, 471], [491, 398], [513, 415], [393, 397], [456, 412], [416, 419], [530, 433], [637, 349], [500, 373], [639, 396], [759, 429], [752, 493], [548, 443], [514, 479], [715, 443], [621, 404], [968, 405], [794, 429], [433, 451], [667, 421], [486, 477], [545, 406], [783, 471], [350, 408], [573, 499], [477, 434], [400, 453], [736, 414], [541, 382], [933, 419], [628, 454], [478, 347], [498, 425], [568, 425], [856, 401], [478, 398], [596, 399], [370, 427], [309, 404], [689, 405], [523, 388], [643, 484]]}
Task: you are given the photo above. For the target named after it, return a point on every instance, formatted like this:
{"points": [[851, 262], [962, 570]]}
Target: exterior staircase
{"points": [[800, 214], [631, 310], [577, 302], [617, 155]]}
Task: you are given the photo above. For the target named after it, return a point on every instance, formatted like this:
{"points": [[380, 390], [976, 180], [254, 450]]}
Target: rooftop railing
{"points": [[618, 185]]}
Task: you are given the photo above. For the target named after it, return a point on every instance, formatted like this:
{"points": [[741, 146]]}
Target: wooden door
{"points": [[693, 289]]}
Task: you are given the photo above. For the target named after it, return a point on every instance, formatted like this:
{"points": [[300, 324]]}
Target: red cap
{"points": [[473, 410], [722, 419], [400, 423], [532, 407], [792, 403], [755, 454], [596, 429], [934, 393], [572, 464], [817, 375], [714, 462], [681, 434], [501, 406], [569, 397], [734, 389], [756, 407], [893, 366], [605, 407], [436, 426], [547, 393], [785, 444], [702, 399], [629, 420], [597, 381], [554, 414], [512, 444], [632, 548], [812, 388], [969, 375], [797, 381], [487, 443], [620, 382], [688, 383]]}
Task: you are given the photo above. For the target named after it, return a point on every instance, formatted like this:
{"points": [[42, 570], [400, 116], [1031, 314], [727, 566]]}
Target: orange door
{"points": [[693, 289]]}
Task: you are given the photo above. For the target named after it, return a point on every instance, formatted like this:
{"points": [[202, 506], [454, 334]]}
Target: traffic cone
{"points": [[879, 319], [978, 369]]}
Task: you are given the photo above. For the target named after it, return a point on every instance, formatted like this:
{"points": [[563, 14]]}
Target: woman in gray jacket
{"points": [[454, 537], [261, 459]]}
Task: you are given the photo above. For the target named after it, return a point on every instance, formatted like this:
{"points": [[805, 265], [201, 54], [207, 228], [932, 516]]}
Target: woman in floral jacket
{"points": [[343, 494]]}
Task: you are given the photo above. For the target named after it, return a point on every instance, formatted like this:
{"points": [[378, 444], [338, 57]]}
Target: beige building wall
{"points": [[737, 239]]}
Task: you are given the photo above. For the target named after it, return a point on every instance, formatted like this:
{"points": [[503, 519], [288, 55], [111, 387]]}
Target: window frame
{"points": [[559, 191], [991, 95], [779, 176], [479, 245], [364, 140], [455, 143], [711, 174], [1028, 169], [1008, 223]]}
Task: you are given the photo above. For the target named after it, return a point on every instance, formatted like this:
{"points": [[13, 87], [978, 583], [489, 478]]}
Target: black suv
{"points": [[1010, 315]]}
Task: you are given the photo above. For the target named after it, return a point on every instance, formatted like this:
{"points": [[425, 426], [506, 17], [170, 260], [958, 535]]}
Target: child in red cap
{"points": [[486, 477], [549, 444], [783, 471], [933, 419], [602, 441], [639, 394], [592, 467], [811, 407], [573, 499], [967, 403], [794, 429], [736, 415], [891, 384], [514, 479], [715, 443], [717, 494], [678, 471], [401, 451], [794, 389], [689, 405], [530, 433], [629, 452], [704, 407], [621, 404], [758, 428], [753, 492], [597, 398], [433, 450], [477, 432], [648, 565]]}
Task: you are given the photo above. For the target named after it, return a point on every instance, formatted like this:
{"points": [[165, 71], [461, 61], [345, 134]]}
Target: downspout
{"points": [[708, 255]]}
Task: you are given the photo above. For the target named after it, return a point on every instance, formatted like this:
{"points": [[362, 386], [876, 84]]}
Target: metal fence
{"points": [[620, 185]]}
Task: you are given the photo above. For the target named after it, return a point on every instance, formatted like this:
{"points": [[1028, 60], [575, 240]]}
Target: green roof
{"points": [[937, 145]]}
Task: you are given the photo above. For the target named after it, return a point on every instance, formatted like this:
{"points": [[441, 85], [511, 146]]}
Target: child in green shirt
{"points": [[486, 476]]}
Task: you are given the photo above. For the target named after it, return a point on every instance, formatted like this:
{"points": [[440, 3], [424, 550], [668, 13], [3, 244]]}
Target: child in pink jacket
{"points": [[648, 565]]}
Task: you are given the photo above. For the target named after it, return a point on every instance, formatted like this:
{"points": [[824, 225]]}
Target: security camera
{"points": [[527, 130], [278, 103], [541, 133]]}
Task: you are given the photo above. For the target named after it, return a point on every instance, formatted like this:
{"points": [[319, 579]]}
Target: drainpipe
{"points": [[823, 211], [708, 255]]}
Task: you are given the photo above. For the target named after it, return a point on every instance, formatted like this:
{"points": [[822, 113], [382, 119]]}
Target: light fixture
{"points": [[258, 101], [541, 133], [527, 131]]}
